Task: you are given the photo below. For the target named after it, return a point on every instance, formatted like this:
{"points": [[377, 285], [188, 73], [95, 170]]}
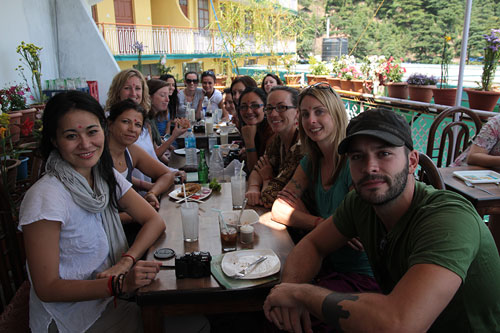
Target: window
{"points": [[203, 14], [191, 67], [184, 6]]}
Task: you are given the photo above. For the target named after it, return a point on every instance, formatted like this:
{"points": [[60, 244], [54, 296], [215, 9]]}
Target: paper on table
{"points": [[229, 283]]}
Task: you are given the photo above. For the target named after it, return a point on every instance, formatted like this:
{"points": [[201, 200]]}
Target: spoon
{"points": [[242, 209]]}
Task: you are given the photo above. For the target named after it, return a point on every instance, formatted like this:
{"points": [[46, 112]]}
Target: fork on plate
{"points": [[469, 184], [246, 270]]}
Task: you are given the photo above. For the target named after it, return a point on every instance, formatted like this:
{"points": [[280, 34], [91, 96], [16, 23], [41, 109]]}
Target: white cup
{"points": [[190, 221], [238, 189], [209, 125]]}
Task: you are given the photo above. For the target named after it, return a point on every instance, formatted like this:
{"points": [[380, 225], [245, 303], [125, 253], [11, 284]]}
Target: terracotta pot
{"points": [[357, 86], [346, 85], [334, 82], [444, 96], [420, 93], [397, 90], [311, 79], [28, 114], [293, 79], [220, 80], [15, 125], [482, 100], [11, 166]]}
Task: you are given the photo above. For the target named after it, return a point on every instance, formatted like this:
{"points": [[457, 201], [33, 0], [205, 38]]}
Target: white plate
{"points": [[203, 193], [236, 261], [249, 217], [479, 176], [181, 151]]}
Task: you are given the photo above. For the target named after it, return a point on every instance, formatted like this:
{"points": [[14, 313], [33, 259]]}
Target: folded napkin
{"points": [[230, 283]]}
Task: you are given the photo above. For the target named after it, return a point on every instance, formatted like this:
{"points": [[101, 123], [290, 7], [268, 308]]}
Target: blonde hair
{"points": [[336, 109], [118, 83]]}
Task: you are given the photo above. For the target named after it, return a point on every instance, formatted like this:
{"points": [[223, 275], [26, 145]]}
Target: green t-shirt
{"points": [[324, 203], [441, 228]]}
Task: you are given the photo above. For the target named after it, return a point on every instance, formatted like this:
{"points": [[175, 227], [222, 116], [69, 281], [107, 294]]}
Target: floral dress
{"points": [[488, 138]]}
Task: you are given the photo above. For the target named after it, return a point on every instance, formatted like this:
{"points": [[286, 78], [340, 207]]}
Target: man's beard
{"points": [[396, 187]]}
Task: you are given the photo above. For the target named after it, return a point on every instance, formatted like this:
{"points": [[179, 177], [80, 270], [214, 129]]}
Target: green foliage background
{"points": [[411, 29]]}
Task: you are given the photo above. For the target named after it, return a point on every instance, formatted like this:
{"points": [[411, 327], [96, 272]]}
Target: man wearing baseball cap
{"points": [[431, 253]]}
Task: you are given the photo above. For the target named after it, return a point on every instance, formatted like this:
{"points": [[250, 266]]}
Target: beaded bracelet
{"points": [[129, 256]]}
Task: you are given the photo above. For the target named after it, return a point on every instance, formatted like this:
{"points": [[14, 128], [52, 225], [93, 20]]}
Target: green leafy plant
{"points": [[491, 58], [162, 66], [30, 56], [318, 67], [445, 61], [393, 71], [139, 48]]}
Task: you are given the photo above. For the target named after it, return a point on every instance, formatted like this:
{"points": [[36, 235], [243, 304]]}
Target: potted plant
{"points": [[334, 79], [443, 94], [420, 87], [289, 61], [347, 76], [486, 96], [30, 57], [13, 102], [393, 75], [319, 71], [373, 70]]}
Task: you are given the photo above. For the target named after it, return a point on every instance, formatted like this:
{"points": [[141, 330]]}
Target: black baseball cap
{"points": [[383, 124]]}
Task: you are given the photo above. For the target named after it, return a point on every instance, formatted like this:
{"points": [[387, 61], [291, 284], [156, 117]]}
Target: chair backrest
{"points": [[12, 262], [429, 173], [436, 149]]}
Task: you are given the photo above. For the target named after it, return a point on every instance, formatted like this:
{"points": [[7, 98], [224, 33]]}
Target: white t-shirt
{"points": [[214, 100], [83, 252], [144, 141]]}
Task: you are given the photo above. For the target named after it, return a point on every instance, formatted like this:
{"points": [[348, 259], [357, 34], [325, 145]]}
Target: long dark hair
{"points": [[122, 106], [247, 81], [174, 99], [263, 126], [276, 77], [57, 107]]}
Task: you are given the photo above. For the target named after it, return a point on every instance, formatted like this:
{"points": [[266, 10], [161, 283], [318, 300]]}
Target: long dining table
{"points": [[167, 295]]}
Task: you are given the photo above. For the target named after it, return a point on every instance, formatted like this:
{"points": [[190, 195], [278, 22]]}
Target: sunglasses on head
{"points": [[208, 73], [320, 85], [191, 80]]}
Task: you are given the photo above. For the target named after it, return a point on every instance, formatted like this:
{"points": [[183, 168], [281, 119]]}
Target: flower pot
{"points": [[311, 79], [11, 167], [357, 86], [368, 86], [334, 82], [15, 125], [293, 79], [397, 90], [346, 85], [482, 100], [444, 96], [420, 93], [28, 114], [220, 80], [22, 168]]}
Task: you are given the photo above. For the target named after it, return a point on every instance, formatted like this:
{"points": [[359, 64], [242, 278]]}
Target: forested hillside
{"points": [[411, 29]]}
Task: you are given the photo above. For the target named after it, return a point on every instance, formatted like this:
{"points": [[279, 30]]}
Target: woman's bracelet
{"points": [[129, 256]]}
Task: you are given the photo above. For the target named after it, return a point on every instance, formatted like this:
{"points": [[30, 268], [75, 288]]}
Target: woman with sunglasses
{"points": [[276, 167], [191, 94], [319, 185], [255, 130], [269, 81], [76, 251]]}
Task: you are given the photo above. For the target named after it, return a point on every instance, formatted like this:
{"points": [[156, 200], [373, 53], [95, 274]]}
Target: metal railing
{"points": [[162, 39]]}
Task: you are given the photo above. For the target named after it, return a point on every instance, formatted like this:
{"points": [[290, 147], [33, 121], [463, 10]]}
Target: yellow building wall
{"points": [[142, 11], [106, 11], [168, 13]]}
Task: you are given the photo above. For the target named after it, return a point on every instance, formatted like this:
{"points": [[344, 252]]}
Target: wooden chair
{"points": [[429, 173], [438, 152]]}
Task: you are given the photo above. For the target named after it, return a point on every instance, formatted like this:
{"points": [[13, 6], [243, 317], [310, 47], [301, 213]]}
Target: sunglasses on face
{"points": [[254, 107], [191, 80], [279, 108]]}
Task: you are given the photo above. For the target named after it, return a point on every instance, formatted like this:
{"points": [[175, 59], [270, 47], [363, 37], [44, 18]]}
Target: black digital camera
{"points": [[193, 265]]}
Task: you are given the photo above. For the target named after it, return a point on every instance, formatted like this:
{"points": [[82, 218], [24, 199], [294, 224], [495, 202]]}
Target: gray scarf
{"points": [[94, 202]]}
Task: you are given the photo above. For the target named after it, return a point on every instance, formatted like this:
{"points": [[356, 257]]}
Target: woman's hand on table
{"points": [[181, 174], [121, 267], [142, 274], [253, 195], [264, 168], [292, 200], [152, 199]]}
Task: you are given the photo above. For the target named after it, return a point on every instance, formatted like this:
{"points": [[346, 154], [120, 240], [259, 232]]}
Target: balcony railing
{"points": [[179, 40]]}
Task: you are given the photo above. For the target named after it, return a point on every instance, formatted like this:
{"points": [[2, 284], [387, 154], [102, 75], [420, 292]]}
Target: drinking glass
{"points": [[223, 137], [190, 221], [238, 188], [228, 236]]}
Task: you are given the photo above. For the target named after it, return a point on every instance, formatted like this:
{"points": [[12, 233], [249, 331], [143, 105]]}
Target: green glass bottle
{"points": [[202, 168]]}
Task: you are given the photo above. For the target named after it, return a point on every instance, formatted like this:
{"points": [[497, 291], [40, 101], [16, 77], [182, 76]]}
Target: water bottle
{"points": [[202, 168], [216, 167], [204, 106], [190, 148]]}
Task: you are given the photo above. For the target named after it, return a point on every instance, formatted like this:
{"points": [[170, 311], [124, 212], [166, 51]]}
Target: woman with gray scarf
{"points": [[76, 250]]}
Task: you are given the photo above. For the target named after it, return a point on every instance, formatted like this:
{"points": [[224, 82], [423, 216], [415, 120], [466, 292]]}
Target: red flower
{"points": [[27, 127]]}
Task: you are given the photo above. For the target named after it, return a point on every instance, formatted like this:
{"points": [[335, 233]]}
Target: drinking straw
{"points": [[184, 189], [241, 168], [224, 224]]}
